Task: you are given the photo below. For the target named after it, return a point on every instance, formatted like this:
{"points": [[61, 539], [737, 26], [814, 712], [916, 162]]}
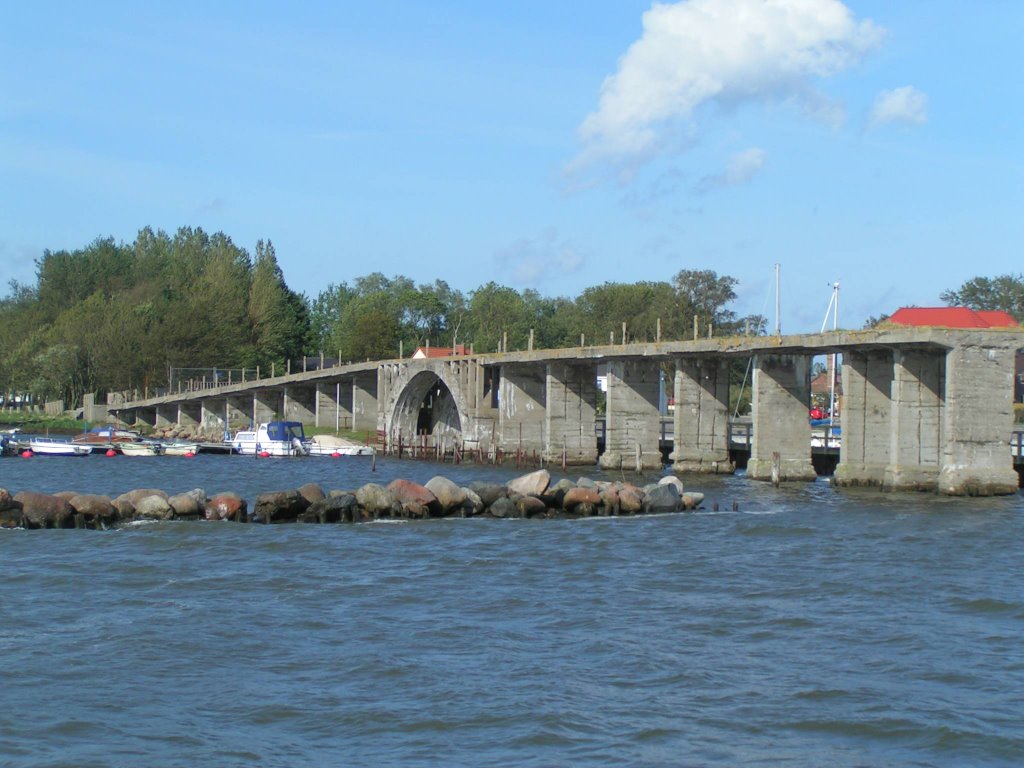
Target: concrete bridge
{"points": [[923, 408]]}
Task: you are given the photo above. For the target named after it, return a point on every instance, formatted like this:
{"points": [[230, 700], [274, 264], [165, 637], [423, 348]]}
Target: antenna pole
{"points": [[778, 320]]}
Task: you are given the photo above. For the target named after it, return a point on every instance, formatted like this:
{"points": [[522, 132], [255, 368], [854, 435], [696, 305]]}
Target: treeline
{"points": [[110, 317]]}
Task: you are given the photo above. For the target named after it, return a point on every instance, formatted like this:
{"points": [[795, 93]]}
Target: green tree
{"points": [[1005, 293]]}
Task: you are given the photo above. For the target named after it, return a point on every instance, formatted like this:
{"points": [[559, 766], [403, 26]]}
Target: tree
{"points": [[702, 293], [278, 316], [1005, 293]]}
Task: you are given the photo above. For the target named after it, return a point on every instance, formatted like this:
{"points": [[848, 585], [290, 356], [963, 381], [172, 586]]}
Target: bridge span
{"points": [[923, 408]]}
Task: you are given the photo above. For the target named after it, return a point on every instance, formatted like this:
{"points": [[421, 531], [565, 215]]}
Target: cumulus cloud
{"points": [[742, 167], [721, 53], [530, 261], [905, 105]]}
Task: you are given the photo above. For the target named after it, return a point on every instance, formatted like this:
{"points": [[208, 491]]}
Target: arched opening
{"points": [[426, 407]]}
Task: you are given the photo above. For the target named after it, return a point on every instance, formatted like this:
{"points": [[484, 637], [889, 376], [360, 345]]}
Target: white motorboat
{"points": [[51, 446], [274, 438], [181, 449], [147, 448], [329, 445]]}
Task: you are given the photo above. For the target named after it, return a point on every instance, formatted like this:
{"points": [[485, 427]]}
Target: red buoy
{"points": [[264, 454], [26, 454], [189, 455], [335, 455], [111, 452]]}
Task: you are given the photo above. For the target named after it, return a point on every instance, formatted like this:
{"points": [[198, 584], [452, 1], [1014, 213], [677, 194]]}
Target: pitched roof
{"points": [[458, 349], [951, 317]]}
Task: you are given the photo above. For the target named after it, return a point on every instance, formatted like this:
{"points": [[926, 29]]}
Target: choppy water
{"points": [[811, 627]]}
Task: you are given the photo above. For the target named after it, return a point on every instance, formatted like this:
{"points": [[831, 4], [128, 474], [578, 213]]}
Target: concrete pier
{"points": [[915, 434], [866, 438], [701, 417], [522, 408], [632, 416], [782, 392], [571, 400]]}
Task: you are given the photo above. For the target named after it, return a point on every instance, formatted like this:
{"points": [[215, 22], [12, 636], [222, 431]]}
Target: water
{"points": [[811, 627]]}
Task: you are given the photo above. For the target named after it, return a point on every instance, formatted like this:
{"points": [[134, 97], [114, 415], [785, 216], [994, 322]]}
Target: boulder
{"points": [[416, 500], [226, 506], [189, 505], [581, 496], [692, 499], [125, 509], [153, 508], [631, 499], [67, 495], [375, 500], [473, 505], [662, 498], [278, 507], [97, 511], [6, 501], [133, 497], [503, 507], [311, 492], [533, 484], [10, 511], [610, 500], [42, 510], [554, 496], [334, 509], [531, 506], [672, 480], [586, 482], [488, 492], [449, 496]]}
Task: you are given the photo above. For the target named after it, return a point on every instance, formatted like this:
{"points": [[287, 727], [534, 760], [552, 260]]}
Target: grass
{"points": [[38, 423]]}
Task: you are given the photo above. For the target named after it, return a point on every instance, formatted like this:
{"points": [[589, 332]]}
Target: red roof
{"points": [[951, 317], [458, 349]]}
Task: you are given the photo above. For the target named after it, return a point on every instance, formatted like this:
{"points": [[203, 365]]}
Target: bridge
{"points": [[923, 408]]}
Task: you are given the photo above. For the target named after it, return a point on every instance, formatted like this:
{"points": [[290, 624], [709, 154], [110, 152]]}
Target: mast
{"points": [[778, 319]]}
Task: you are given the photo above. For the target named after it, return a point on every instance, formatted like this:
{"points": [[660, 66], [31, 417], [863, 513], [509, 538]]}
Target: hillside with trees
{"points": [[120, 316]]}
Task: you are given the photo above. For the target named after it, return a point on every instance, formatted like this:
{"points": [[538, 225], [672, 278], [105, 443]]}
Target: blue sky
{"points": [[542, 145]]}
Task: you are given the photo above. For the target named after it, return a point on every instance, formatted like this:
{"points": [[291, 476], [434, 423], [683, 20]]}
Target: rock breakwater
{"points": [[529, 496]]}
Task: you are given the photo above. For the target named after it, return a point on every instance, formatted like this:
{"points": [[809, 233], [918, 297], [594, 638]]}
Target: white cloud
{"points": [[724, 53], [530, 261], [741, 168], [905, 105]]}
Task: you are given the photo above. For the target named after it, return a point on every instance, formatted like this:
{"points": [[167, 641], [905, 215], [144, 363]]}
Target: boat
{"points": [[181, 449], [106, 436], [51, 446], [145, 448], [273, 438], [330, 445]]}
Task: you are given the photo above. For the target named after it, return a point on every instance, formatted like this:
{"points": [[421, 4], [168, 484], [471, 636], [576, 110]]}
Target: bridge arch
{"points": [[428, 401]]}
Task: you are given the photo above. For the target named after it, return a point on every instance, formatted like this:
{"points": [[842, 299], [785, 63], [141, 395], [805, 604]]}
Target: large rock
{"points": [[503, 507], [533, 484], [312, 492], [692, 499], [11, 515], [662, 498], [449, 496], [226, 506], [41, 510], [578, 496], [96, 511], [189, 505], [673, 481], [153, 508], [6, 500], [416, 500], [610, 499], [473, 505], [531, 506], [334, 509], [376, 500], [488, 492], [631, 499], [133, 497], [279, 507]]}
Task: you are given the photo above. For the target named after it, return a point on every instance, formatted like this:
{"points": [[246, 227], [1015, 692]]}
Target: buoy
{"points": [[111, 452], [189, 454], [335, 455], [26, 454], [264, 454]]}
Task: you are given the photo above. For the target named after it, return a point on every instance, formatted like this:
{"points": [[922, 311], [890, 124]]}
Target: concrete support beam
{"points": [[632, 417], [782, 396], [915, 435], [162, 418], [189, 414], [213, 414], [299, 404], [701, 418], [265, 405], [866, 419], [364, 402], [522, 408], [978, 417], [571, 406], [239, 412], [145, 418]]}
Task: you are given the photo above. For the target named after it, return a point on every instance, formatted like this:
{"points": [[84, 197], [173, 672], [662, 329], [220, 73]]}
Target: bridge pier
{"points": [[213, 414], [235, 412], [570, 399], [782, 393], [632, 416], [915, 448], [701, 418], [866, 429], [522, 411], [160, 418], [328, 411], [299, 404], [979, 408], [265, 405], [364, 402]]}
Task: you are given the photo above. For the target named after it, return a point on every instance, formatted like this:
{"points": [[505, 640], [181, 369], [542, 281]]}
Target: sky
{"points": [[544, 145]]}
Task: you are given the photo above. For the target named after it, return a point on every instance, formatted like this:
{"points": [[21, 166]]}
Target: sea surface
{"points": [[803, 626]]}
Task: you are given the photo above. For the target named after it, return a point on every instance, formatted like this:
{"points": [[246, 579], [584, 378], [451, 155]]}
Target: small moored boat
{"points": [[180, 449], [274, 438], [329, 445], [50, 446], [141, 449]]}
